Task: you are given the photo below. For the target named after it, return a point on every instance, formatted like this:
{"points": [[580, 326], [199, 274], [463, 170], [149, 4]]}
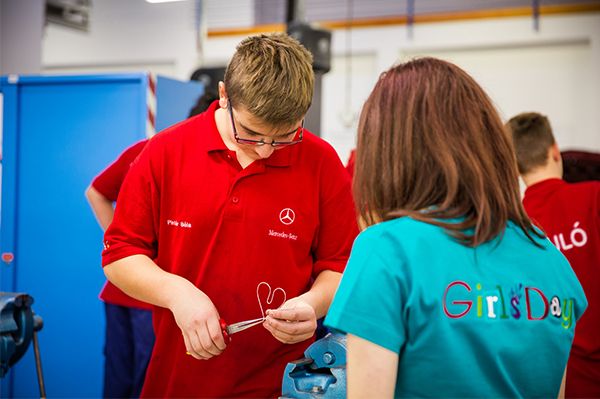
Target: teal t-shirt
{"points": [[493, 321]]}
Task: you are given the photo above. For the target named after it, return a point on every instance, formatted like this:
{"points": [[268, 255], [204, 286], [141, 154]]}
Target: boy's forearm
{"points": [[322, 291], [139, 277]]}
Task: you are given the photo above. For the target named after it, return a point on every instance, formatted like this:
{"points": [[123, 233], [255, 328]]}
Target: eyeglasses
{"points": [[297, 137]]}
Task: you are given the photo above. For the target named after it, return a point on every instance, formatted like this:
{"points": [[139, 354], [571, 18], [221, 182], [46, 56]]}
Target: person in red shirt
{"points": [[222, 214], [569, 213], [129, 335]]}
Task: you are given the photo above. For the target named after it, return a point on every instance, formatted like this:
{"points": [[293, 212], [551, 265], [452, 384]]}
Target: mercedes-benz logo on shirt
{"points": [[287, 216]]}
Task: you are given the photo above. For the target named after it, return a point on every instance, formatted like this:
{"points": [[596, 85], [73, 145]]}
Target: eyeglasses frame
{"points": [[261, 142]]}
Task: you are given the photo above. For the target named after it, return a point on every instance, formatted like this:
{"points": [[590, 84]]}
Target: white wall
{"points": [[21, 27], [127, 35], [552, 78], [553, 71]]}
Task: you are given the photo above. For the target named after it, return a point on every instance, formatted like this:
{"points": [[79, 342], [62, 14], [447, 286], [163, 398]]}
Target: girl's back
{"points": [[496, 320]]}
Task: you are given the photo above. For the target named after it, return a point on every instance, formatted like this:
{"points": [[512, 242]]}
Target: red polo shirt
{"points": [[187, 204], [570, 216], [108, 183], [351, 163]]}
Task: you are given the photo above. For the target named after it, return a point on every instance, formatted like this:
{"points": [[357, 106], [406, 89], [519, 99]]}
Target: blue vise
{"points": [[18, 325], [321, 374]]}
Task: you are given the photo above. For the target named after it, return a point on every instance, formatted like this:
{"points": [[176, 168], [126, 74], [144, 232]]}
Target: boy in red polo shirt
{"points": [[570, 216], [219, 204]]}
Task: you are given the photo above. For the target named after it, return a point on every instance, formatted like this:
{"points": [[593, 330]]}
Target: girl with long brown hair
{"points": [[450, 291]]}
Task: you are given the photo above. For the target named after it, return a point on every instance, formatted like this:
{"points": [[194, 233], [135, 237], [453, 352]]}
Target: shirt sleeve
{"points": [[337, 218], [134, 227], [370, 300], [109, 181]]}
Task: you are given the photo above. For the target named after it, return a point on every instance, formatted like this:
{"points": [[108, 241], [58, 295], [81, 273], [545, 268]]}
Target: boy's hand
{"points": [[198, 319], [295, 321]]}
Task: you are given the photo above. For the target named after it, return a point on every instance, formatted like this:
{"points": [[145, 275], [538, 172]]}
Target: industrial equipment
{"points": [[18, 327], [321, 374]]}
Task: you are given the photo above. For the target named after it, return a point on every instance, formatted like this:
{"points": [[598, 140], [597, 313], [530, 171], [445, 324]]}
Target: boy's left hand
{"points": [[295, 321]]}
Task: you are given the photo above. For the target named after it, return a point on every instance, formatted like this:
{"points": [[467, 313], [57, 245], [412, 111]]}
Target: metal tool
{"points": [[322, 372], [228, 330]]}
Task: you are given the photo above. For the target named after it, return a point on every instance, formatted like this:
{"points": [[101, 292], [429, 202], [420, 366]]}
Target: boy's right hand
{"points": [[198, 319]]}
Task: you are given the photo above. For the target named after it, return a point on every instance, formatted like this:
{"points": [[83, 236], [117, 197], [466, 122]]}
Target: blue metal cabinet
{"points": [[58, 133]]}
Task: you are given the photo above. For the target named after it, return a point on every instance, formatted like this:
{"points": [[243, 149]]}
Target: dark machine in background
{"points": [[18, 327], [74, 14], [318, 42], [209, 77], [580, 166]]}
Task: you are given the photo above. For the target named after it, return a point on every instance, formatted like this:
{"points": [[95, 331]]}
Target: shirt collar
{"points": [[282, 157], [544, 185], [214, 141]]}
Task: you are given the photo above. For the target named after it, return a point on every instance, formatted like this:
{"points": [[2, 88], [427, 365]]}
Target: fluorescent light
{"points": [[162, 1]]}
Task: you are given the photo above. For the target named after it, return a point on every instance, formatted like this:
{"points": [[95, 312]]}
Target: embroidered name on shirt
{"points": [[577, 238], [495, 306], [280, 234], [177, 223]]}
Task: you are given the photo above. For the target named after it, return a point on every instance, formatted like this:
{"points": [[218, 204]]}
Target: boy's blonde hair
{"points": [[271, 76]]}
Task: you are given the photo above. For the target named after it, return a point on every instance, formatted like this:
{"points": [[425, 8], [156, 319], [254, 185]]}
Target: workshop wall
{"points": [[552, 70]]}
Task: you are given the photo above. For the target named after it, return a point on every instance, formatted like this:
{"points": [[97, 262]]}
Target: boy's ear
{"points": [[223, 100], [555, 153]]}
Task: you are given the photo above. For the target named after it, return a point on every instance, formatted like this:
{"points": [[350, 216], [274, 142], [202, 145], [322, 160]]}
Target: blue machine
{"points": [[58, 133], [321, 374]]}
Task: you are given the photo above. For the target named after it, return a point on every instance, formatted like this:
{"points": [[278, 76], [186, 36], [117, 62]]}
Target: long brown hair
{"points": [[432, 146]]}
